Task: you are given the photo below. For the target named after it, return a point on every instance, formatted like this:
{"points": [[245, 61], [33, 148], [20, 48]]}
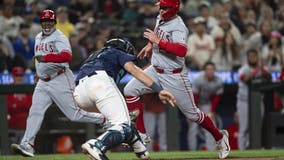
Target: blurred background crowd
{"points": [[230, 28]]}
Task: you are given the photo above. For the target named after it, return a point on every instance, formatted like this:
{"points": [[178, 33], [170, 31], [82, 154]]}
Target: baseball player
{"points": [[167, 45], [246, 73], [207, 89], [96, 90], [55, 84], [18, 107]]}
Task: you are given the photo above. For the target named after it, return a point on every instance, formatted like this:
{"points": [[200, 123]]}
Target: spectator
{"points": [[18, 107], [131, 12], [80, 8], [250, 40], [226, 56], [109, 7], [273, 53], [147, 15], [99, 42], [7, 53], [155, 119], [201, 45], [207, 89], [4, 58], [225, 25], [204, 12], [24, 46], [265, 29], [29, 17], [227, 38], [9, 23], [79, 53], [247, 73], [63, 23]]}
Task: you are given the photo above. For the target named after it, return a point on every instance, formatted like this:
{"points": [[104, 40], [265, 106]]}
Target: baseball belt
{"points": [[88, 75], [174, 71], [46, 79]]}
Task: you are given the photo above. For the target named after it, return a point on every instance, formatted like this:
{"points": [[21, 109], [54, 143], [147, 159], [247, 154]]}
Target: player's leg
{"points": [[179, 86], [192, 135], [209, 139], [162, 131], [109, 101], [40, 102], [132, 91], [242, 110], [150, 123], [113, 137], [63, 97]]}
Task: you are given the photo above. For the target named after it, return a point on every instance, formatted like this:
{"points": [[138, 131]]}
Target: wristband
{"points": [[156, 87]]}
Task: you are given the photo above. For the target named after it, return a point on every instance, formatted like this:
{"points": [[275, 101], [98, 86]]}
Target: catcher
{"points": [[97, 91]]}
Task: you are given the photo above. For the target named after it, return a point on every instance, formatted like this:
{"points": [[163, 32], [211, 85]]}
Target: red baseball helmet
{"points": [[173, 7], [47, 14]]}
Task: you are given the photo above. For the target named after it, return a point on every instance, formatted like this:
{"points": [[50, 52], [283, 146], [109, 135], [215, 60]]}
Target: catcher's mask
{"points": [[121, 44]]}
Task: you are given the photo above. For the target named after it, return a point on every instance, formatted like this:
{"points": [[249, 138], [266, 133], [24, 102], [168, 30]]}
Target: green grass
{"points": [[255, 154]]}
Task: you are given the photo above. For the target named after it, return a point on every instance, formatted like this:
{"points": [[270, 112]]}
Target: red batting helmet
{"points": [[47, 14], [173, 7]]}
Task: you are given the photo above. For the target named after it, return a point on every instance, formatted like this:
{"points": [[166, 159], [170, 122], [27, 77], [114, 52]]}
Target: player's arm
{"points": [[146, 51], [145, 79], [62, 57], [171, 47]]}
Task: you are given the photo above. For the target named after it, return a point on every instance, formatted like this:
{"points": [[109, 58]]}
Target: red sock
{"points": [[134, 103], [207, 123]]}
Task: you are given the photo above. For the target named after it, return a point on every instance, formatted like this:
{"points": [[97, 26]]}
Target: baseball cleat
{"points": [[25, 150], [223, 145], [144, 137], [92, 151], [139, 148]]}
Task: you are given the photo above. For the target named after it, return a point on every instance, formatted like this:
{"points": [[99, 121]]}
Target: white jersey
{"points": [[174, 31], [206, 89], [243, 86], [54, 43]]}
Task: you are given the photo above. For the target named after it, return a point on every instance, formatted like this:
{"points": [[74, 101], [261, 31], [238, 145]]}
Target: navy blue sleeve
{"points": [[124, 57]]}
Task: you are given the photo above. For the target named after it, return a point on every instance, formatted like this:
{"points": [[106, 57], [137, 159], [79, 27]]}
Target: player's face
{"points": [[209, 71], [163, 10], [47, 26], [252, 59]]}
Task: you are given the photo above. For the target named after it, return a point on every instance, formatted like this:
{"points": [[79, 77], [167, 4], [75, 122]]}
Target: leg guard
{"points": [[138, 145], [114, 136]]}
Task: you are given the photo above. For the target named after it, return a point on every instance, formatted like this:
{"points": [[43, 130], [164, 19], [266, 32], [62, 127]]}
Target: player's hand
{"points": [[151, 36], [211, 115], [167, 97], [39, 58], [145, 52]]}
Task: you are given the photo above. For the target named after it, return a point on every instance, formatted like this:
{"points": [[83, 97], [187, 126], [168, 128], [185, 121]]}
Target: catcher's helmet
{"points": [[121, 44], [173, 8], [47, 14]]}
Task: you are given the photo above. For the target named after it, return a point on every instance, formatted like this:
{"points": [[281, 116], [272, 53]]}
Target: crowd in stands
{"points": [[230, 29], [221, 31]]}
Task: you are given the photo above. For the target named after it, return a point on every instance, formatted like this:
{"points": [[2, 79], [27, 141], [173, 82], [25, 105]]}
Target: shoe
{"points": [[139, 148], [25, 150], [223, 145], [144, 137], [93, 151]]}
